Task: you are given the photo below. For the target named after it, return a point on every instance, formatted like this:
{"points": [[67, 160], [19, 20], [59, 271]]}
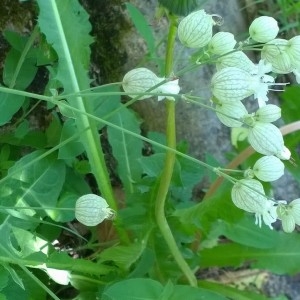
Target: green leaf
{"points": [[26, 73], [73, 148], [66, 200], [290, 107], [22, 129], [187, 292], [35, 184], [245, 232], [230, 292], [4, 275], [133, 289], [282, 258], [126, 148], [123, 256], [29, 243], [57, 20], [142, 26], [9, 105]]}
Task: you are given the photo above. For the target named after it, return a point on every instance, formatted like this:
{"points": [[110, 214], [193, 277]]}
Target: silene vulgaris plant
{"points": [[147, 236]]}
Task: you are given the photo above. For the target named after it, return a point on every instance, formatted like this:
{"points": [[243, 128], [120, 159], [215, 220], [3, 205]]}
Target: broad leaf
{"points": [[9, 105], [126, 148], [282, 258]]}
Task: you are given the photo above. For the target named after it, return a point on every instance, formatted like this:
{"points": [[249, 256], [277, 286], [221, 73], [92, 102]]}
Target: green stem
{"points": [[167, 171], [90, 138]]}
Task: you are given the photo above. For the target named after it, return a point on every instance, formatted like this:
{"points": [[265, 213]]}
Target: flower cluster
{"points": [[238, 78]]}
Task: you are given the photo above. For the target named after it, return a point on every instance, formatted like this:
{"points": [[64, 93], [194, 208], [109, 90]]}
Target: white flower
{"points": [[232, 84], [170, 87], [195, 30], [289, 214], [263, 29], [141, 80], [266, 139], [293, 49], [236, 59], [230, 113], [262, 82], [268, 168], [268, 113], [295, 210], [284, 154], [92, 209], [221, 43], [248, 194], [276, 53]]}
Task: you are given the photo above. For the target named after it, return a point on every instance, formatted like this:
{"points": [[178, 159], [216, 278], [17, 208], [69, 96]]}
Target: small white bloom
{"points": [[268, 168], [92, 209], [268, 113], [221, 43], [230, 113], [276, 53], [288, 223], [248, 194], [141, 80], [266, 139], [170, 87], [236, 59], [232, 84], [262, 81], [195, 30], [293, 49], [289, 214], [295, 210], [284, 154], [263, 29]]}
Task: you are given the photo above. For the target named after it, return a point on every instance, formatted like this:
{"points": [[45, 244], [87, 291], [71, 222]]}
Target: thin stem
{"points": [[167, 171]]}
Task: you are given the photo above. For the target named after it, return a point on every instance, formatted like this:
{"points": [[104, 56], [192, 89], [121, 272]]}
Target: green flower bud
{"points": [[91, 210], [221, 43], [268, 113], [235, 110], [232, 84], [263, 29], [268, 168], [266, 138], [138, 81], [195, 30], [236, 59]]}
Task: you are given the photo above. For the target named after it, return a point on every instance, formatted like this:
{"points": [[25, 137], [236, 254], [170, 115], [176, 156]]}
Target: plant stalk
{"points": [[167, 171]]}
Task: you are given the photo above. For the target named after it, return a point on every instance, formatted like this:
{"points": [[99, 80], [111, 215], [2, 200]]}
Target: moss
{"points": [[109, 24]]}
